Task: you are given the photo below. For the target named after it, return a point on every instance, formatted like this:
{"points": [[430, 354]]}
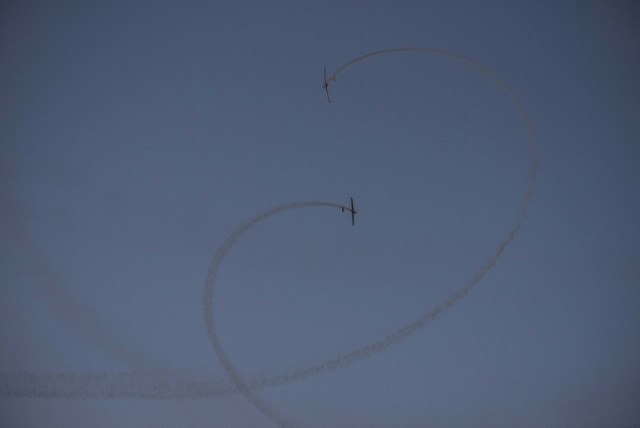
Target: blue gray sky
{"points": [[136, 136]]}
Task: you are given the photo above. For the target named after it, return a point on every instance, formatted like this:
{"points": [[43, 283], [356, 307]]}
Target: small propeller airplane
{"points": [[325, 86], [353, 212]]}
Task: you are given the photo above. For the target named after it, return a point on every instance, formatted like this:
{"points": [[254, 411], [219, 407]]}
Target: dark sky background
{"points": [[136, 136]]}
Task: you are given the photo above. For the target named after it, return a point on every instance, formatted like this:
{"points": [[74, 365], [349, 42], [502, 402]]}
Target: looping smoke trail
{"points": [[207, 300], [404, 331], [132, 385]]}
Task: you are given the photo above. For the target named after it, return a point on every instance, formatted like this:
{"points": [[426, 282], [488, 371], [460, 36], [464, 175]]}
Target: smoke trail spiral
{"points": [[410, 328], [141, 385]]}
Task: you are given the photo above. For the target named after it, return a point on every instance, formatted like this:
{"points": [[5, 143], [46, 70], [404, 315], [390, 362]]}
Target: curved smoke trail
{"points": [[408, 329], [81, 320], [207, 300], [131, 385]]}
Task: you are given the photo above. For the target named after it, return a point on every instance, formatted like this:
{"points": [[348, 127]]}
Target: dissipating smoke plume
{"points": [[172, 386], [406, 330]]}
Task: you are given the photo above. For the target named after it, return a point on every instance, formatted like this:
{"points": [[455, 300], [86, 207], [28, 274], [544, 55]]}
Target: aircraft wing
{"points": [[325, 86], [353, 214]]}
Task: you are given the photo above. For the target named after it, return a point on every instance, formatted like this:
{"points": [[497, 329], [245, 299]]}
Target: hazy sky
{"points": [[136, 136]]}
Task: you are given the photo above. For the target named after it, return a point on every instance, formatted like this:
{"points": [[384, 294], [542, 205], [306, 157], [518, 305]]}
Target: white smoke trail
{"points": [[207, 300], [81, 320], [131, 385], [404, 331], [139, 385]]}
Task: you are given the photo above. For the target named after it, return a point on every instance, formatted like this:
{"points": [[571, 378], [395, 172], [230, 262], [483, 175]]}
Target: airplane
{"points": [[353, 212], [325, 86]]}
